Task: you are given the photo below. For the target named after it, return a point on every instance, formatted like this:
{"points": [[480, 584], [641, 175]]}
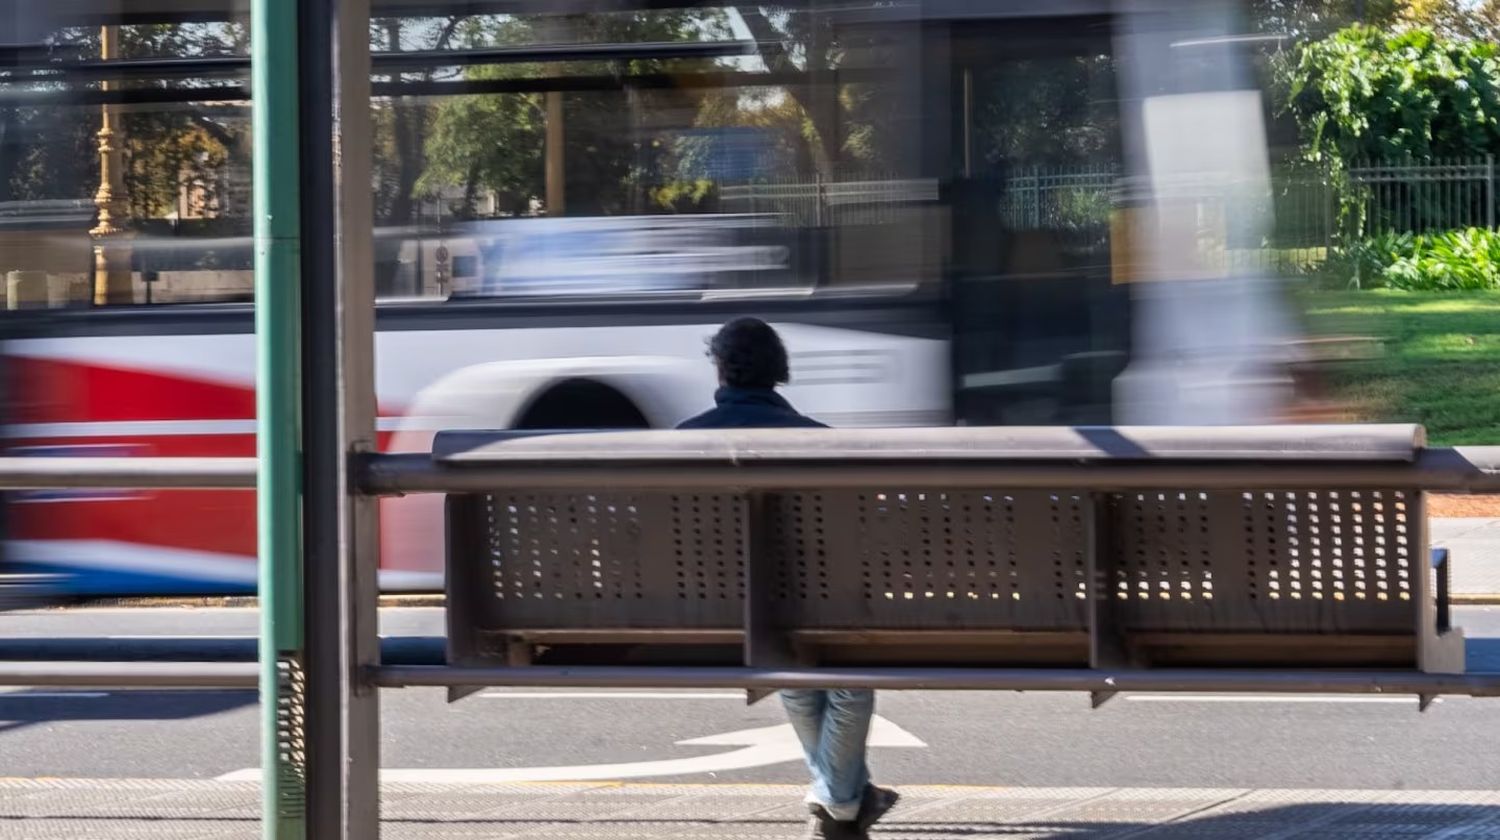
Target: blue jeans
{"points": [[833, 725]]}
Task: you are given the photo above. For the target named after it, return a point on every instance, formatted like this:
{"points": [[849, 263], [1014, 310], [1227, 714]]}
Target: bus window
{"points": [[1040, 331], [740, 152], [127, 193]]}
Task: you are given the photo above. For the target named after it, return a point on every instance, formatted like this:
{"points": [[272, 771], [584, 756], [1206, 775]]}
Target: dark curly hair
{"points": [[749, 354]]}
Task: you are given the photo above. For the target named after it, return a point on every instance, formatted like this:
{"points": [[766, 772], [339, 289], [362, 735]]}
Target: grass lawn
{"points": [[1440, 364]]}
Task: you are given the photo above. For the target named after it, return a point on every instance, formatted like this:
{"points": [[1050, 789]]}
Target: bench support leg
{"points": [[766, 646], [1106, 643]]}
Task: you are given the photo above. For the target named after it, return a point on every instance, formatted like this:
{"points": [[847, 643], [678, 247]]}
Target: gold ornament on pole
{"points": [[112, 277]]}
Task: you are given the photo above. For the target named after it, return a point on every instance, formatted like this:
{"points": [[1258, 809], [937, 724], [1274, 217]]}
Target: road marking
{"points": [[758, 747], [614, 695], [1251, 698]]}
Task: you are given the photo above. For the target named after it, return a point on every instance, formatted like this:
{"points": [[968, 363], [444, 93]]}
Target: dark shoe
{"points": [[874, 805], [822, 826]]}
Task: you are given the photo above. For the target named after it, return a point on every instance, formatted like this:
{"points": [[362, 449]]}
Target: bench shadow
{"points": [[1304, 820]]}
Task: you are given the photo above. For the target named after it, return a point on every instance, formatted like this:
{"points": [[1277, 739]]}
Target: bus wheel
{"points": [[582, 404]]}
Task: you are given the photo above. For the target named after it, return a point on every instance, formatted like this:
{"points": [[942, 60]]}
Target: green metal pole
{"points": [[273, 81]]}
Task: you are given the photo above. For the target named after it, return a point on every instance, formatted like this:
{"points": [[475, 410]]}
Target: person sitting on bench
{"points": [[832, 724]]}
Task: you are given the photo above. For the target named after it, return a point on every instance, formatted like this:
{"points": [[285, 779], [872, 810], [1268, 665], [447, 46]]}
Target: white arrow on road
{"points": [[757, 748]]}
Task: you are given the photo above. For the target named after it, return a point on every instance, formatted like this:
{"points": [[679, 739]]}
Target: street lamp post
{"points": [[112, 279]]}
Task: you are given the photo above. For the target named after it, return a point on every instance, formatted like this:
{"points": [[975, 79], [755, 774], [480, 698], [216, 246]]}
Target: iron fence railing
{"points": [[1420, 196], [1307, 209], [1055, 197], [818, 203]]}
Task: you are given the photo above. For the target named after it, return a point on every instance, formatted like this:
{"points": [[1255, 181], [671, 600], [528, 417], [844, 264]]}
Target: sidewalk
{"points": [[118, 809], [1474, 544]]}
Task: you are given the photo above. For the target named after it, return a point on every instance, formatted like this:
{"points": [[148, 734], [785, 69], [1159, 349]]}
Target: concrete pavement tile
{"points": [[1135, 807], [1041, 830], [108, 829], [786, 811], [459, 805], [623, 830], [163, 810], [73, 804], [731, 808], [1447, 528], [224, 804], [568, 809], [981, 806]]}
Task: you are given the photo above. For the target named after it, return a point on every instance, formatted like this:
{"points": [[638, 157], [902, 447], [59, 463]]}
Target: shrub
{"points": [[1446, 261]]}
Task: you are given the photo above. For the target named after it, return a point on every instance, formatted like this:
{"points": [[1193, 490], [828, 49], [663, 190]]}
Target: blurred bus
{"points": [[954, 212]]}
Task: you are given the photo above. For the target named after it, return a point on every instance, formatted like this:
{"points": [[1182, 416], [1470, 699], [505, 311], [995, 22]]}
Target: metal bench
{"points": [[1047, 548]]}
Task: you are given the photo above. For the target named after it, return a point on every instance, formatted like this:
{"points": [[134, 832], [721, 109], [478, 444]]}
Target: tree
{"points": [[1309, 19], [1362, 93], [491, 143], [1366, 95], [614, 164], [53, 151], [1477, 20], [780, 36]]}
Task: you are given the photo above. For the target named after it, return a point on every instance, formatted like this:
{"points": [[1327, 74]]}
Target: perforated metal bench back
{"points": [[1328, 561], [1325, 561]]}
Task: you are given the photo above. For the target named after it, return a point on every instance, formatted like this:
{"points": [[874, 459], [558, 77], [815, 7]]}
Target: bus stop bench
{"points": [[995, 548]]}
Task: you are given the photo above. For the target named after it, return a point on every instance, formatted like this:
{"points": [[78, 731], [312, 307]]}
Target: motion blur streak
{"points": [[954, 212]]}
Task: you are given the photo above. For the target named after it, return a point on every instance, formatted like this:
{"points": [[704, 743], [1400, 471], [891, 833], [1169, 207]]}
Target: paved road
{"points": [[966, 738]]}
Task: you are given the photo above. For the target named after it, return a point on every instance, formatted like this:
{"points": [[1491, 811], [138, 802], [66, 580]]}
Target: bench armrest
{"points": [[1443, 574]]}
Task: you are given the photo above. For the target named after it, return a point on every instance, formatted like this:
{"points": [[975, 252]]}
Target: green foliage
{"points": [[497, 142], [1303, 19], [1054, 110], [490, 141], [684, 196], [55, 147], [1446, 261], [1366, 94]]}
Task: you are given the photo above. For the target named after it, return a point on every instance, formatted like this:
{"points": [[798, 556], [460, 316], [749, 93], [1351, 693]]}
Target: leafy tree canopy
{"points": [[1362, 93]]}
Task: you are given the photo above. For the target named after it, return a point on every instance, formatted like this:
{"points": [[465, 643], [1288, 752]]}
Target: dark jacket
{"points": [[749, 408]]}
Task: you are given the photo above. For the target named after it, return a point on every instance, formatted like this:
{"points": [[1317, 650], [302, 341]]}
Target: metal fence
{"points": [[1058, 197], [1408, 195], [1420, 196], [1305, 208], [819, 203]]}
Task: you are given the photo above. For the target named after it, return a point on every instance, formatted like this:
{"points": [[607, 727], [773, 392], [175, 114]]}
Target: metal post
{"points": [[321, 468], [1036, 198], [554, 153], [1489, 192], [274, 63], [340, 534], [359, 545]]}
